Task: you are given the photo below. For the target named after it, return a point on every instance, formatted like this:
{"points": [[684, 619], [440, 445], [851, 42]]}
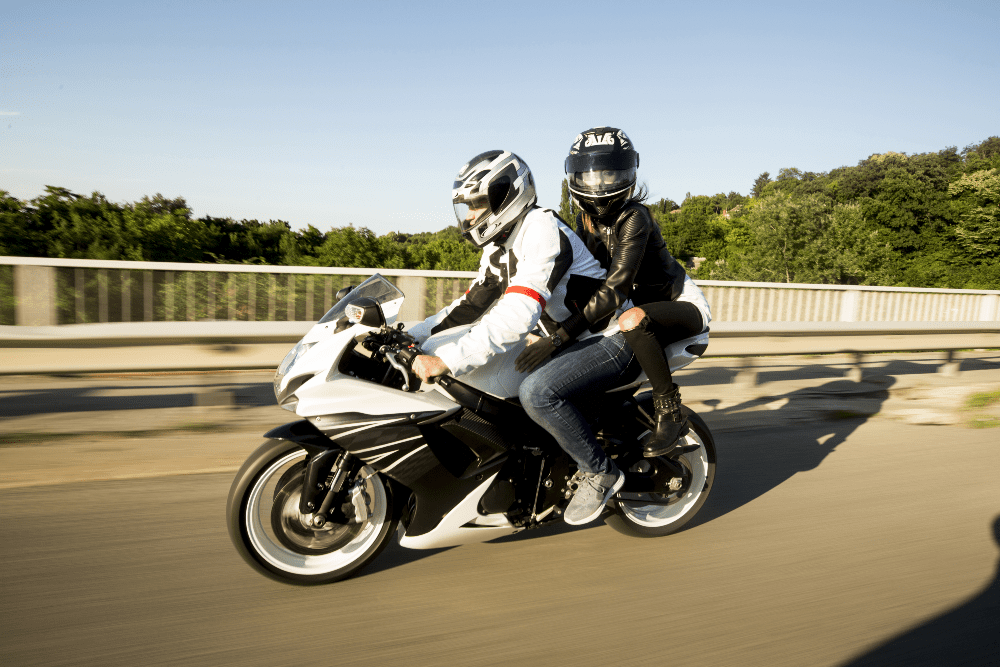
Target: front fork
{"points": [[325, 475]]}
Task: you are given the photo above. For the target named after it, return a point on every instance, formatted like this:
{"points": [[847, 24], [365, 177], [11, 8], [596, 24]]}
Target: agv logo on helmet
{"points": [[607, 139]]}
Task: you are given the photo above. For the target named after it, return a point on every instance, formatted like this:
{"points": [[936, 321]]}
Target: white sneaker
{"points": [[590, 498]]}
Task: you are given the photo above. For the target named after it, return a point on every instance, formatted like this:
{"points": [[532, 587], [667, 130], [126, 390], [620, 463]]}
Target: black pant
{"points": [[666, 322]]}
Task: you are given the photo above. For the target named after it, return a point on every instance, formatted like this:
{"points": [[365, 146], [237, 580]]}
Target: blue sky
{"points": [[335, 113]]}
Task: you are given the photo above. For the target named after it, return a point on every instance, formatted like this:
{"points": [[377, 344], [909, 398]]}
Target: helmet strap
{"points": [[505, 235]]}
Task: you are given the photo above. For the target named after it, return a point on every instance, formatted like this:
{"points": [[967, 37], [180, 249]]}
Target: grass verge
{"points": [[984, 400]]}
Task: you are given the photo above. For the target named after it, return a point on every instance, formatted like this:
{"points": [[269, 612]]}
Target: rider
{"points": [[536, 271], [530, 258], [666, 305]]}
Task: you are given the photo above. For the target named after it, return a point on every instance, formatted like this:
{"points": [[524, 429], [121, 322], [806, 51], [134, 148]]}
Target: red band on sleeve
{"points": [[530, 293]]}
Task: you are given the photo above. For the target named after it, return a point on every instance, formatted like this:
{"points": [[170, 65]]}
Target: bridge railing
{"points": [[48, 292]]}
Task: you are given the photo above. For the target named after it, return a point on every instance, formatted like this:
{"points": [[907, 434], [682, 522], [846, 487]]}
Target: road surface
{"points": [[835, 542]]}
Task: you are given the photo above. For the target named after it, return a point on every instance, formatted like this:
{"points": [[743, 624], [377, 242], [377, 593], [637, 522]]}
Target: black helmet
{"points": [[601, 168], [491, 194]]}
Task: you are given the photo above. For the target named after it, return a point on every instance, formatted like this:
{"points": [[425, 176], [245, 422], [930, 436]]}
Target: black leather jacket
{"points": [[630, 246]]}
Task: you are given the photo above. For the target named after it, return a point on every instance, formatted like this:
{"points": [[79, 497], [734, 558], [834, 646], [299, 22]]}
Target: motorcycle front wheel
{"points": [[278, 541], [664, 511]]}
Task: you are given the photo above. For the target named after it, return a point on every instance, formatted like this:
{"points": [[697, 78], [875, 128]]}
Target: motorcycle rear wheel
{"points": [[666, 512], [279, 542]]}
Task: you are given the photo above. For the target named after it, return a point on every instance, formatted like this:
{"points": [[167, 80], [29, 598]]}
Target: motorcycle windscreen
{"points": [[376, 288]]}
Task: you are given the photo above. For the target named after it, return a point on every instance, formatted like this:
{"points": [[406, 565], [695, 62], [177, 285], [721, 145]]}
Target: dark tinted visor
{"points": [[601, 181], [601, 161]]}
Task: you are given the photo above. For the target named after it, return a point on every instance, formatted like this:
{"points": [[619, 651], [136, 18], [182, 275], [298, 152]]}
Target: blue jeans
{"points": [[552, 394]]}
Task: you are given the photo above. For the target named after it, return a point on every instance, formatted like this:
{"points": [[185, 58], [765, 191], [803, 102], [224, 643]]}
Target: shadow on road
{"points": [[776, 371], [745, 472], [126, 396], [396, 556], [823, 418], [966, 635]]}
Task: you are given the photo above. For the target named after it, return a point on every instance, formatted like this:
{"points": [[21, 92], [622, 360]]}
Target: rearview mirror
{"points": [[365, 312]]}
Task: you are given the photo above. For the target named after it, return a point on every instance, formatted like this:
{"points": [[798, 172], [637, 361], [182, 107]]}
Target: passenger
{"points": [[667, 307], [532, 266]]}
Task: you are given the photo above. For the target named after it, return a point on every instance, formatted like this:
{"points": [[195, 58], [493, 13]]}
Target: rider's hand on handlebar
{"points": [[425, 367]]}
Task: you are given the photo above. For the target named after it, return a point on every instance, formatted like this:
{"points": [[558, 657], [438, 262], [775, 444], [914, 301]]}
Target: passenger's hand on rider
{"points": [[537, 351], [425, 367]]}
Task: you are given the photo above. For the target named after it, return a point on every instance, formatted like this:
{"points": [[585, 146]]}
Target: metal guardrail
{"points": [[47, 292], [255, 312]]}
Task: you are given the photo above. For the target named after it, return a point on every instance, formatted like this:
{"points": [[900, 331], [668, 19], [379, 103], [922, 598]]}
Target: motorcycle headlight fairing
{"points": [[286, 364]]}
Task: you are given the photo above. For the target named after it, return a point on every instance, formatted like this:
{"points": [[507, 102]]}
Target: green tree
{"points": [[977, 202], [759, 183], [446, 250], [350, 247], [984, 155], [568, 210], [19, 233], [687, 229], [81, 227], [248, 241], [663, 206], [162, 230], [784, 238]]}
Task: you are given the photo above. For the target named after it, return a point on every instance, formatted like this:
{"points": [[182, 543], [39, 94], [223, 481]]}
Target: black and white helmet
{"points": [[601, 168], [491, 194]]}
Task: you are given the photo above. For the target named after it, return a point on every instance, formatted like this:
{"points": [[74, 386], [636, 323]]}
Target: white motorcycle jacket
{"points": [[542, 275]]}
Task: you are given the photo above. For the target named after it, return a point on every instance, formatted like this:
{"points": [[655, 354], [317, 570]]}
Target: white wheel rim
{"points": [[657, 516], [266, 545]]}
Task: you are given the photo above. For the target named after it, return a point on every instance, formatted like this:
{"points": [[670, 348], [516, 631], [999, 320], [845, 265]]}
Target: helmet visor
{"points": [[469, 211], [602, 181]]}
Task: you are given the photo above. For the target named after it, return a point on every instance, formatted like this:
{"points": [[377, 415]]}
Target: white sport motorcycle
{"points": [[454, 462]]}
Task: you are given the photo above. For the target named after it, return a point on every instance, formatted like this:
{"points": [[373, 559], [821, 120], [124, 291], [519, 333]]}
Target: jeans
{"points": [[552, 394]]}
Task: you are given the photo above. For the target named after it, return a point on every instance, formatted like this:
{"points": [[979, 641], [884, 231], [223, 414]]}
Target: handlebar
{"points": [[400, 350]]}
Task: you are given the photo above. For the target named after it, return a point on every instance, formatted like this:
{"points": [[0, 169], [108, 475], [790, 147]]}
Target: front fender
{"points": [[304, 434]]}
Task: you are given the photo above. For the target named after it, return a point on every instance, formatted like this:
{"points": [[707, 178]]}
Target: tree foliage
{"points": [[760, 184], [922, 220], [568, 210], [64, 224]]}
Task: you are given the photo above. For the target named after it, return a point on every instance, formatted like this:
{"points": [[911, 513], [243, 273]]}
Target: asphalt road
{"points": [[826, 543]]}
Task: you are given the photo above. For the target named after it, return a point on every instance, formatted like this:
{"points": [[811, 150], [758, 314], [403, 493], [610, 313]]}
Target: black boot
{"points": [[671, 424]]}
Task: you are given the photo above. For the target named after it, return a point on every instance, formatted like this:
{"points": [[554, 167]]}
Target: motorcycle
{"points": [[376, 452]]}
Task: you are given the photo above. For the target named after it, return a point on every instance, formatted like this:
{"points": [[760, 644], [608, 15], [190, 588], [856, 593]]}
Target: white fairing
{"points": [[463, 525], [677, 357], [330, 392], [324, 347]]}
